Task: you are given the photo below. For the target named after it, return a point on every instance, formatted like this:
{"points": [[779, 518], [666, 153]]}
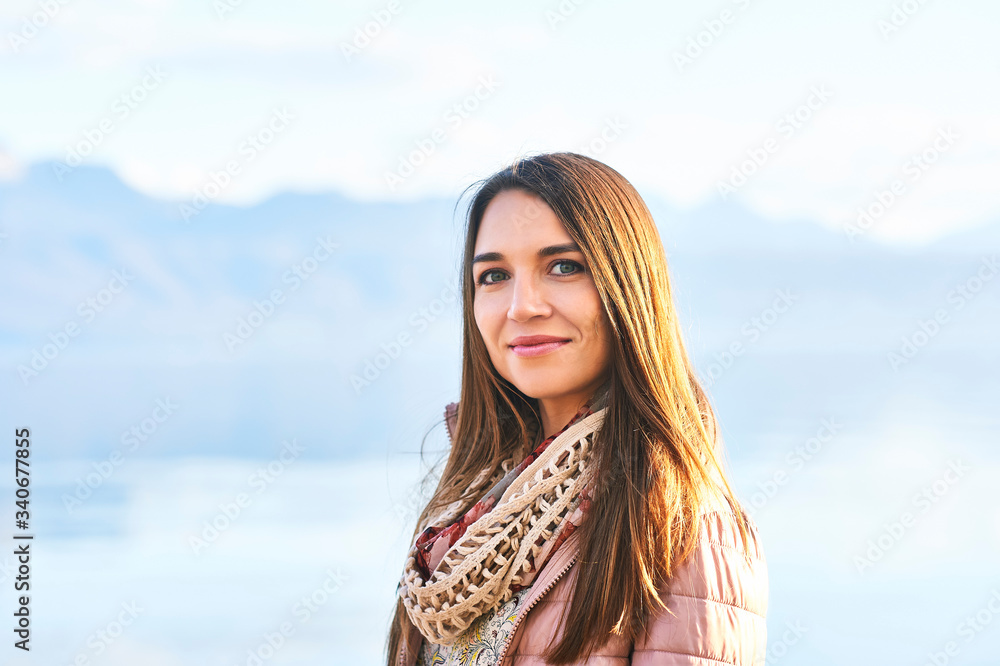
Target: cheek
{"points": [[600, 328], [589, 314], [485, 321]]}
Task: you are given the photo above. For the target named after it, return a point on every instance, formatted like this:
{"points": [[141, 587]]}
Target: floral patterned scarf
{"points": [[434, 542], [462, 567]]}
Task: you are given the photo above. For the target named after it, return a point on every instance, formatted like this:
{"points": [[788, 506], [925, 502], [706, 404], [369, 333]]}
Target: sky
{"points": [[797, 110], [732, 118]]}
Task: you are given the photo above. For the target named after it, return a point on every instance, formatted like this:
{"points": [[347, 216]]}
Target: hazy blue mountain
{"points": [[791, 326], [851, 304]]}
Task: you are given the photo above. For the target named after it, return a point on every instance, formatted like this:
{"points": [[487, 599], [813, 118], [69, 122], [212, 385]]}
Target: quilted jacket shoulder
{"points": [[715, 614], [717, 603]]}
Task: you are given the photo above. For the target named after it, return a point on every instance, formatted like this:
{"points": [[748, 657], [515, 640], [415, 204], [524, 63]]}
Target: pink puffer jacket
{"points": [[717, 605], [718, 599]]}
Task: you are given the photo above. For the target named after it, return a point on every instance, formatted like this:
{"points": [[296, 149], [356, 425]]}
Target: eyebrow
{"points": [[544, 252]]}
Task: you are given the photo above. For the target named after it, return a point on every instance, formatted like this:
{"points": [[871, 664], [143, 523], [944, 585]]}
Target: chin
{"points": [[542, 386]]}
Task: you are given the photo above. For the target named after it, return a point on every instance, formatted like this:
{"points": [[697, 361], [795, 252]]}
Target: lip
{"points": [[536, 345]]}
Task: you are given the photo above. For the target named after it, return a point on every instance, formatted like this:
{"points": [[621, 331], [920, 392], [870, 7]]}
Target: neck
{"points": [[556, 412]]}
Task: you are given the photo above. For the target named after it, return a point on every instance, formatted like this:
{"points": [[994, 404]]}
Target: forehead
{"points": [[516, 217]]}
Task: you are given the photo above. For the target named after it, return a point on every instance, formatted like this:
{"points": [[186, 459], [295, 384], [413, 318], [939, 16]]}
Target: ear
{"points": [[451, 419]]}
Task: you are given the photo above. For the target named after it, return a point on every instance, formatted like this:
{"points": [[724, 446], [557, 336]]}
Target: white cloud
{"points": [[686, 131], [10, 169]]}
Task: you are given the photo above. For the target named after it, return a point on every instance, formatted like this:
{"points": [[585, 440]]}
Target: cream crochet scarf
{"points": [[507, 545]]}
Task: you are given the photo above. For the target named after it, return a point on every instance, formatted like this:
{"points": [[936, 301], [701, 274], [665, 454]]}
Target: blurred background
{"points": [[229, 247]]}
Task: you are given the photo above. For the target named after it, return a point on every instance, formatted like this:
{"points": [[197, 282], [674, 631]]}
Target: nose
{"points": [[527, 300]]}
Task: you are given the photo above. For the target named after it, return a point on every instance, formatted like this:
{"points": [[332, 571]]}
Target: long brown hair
{"points": [[658, 457]]}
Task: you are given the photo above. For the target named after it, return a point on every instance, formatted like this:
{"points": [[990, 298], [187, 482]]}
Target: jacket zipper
{"points": [[510, 637]]}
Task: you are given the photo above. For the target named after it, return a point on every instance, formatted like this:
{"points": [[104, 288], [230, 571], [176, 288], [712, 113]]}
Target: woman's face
{"points": [[530, 280]]}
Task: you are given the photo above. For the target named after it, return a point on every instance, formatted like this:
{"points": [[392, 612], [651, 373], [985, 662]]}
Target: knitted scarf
{"points": [[457, 570]]}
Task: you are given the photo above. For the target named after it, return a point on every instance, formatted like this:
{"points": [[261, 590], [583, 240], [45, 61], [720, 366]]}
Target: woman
{"points": [[583, 515]]}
